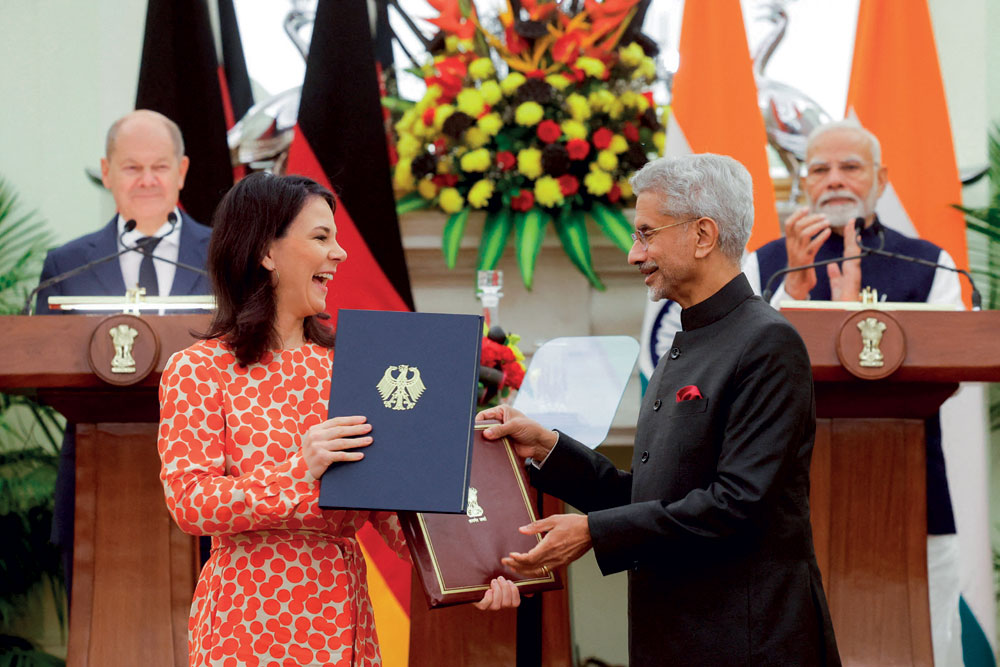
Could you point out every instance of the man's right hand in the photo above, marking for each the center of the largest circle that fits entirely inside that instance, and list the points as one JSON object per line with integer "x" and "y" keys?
{"x": 805, "y": 232}
{"x": 528, "y": 436}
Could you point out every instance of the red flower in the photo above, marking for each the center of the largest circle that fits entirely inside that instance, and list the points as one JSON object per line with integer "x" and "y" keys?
{"x": 513, "y": 375}
{"x": 548, "y": 131}
{"x": 569, "y": 185}
{"x": 577, "y": 148}
{"x": 602, "y": 138}
{"x": 439, "y": 145}
{"x": 428, "y": 116}
{"x": 506, "y": 160}
{"x": 524, "y": 200}
{"x": 567, "y": 47}
{"x": 494, "y": 354}
{"x": 445, "y": 180}
{"x": 515, "y": 43}
{"x": 631, "y": 132}
{"x": 614, "y": 194}
{"x": 536, "y": 74}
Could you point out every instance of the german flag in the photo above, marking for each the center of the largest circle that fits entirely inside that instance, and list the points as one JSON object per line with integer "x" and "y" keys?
{"x": 340, "y": 142}
{"x": 179, "y": 77}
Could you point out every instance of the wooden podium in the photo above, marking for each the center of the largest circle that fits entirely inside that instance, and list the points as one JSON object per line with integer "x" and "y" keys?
{"x": 868, "y": 496}
{"x": 134, "y": 570}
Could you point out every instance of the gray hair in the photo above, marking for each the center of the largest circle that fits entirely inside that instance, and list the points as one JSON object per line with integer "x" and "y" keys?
{"x": 705, "y": 185}
{"x": 172, "y": 129}
{"x": 854, "y": 126}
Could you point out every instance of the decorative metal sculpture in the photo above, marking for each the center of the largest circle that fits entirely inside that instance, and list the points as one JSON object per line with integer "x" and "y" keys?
{"x": 789, "y": 114}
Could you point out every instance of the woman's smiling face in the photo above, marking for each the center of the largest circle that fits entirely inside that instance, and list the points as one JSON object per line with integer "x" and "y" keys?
{"x": 304, "y": 259}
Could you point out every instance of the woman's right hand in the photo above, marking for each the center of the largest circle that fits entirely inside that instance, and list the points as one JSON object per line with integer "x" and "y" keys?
{"x": 328, "y": 442}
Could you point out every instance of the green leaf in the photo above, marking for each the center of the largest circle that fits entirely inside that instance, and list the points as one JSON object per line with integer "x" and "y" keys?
{"x": 451, "y": 239}
{"x": 529, "y": 231}
{"x": 494, "y": 240}
{"x": 410, "y": 202}
{"x": 572, "y": 229}
{"x": 614, "y": 224}
{"x": 397, "y": 104}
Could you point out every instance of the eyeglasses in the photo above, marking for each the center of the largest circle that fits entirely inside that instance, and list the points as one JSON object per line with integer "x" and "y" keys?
{"x": 642, "y": 236}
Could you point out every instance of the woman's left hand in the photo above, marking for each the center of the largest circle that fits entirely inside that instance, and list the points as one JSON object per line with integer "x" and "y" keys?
{"x": 502, "y": 594}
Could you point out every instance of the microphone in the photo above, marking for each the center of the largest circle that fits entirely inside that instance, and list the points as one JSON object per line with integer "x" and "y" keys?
{"x": 767, "y": 294}
{"x": 138, "y": 247}
{"x": 129, "y": 226}
{"x": 977, "y": 299}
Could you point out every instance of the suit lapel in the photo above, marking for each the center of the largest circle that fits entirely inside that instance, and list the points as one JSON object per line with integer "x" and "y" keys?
{"x": 192, "y": 251}
{"x": 108, "y": 273}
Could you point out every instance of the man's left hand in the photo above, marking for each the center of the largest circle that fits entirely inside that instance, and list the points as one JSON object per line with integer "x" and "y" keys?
{"x": 567, "y": 538}
{"x": 845, "y": 282}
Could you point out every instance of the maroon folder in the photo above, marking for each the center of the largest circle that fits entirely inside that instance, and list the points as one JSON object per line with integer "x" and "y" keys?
{"x": 457, "y": 555}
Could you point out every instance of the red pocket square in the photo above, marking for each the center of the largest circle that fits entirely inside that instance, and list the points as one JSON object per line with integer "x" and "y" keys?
{"x": 688, "y": 393}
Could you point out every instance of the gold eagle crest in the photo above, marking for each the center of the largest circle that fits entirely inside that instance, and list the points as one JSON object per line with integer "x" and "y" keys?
{"x": 400, "y": 392}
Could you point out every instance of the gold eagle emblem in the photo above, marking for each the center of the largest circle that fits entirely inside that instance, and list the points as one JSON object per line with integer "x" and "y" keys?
{"x": 400, "y": 392}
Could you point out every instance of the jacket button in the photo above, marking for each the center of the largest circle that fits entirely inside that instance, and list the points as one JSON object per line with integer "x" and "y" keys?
{"x": 657, "y": 404}
{"x": 675, "y": 352}
{"x": 644, "y": 457}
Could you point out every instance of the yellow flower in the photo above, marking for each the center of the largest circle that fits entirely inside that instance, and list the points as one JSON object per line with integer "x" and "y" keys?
{"x": 642, "y": 104}
{"x": 607, "y": 160}
{"x": 547, "y": 191}
{"x": 421, "y": 130}
{"x": 645, "y": 70}
{"x": 491, "y": 123}
{"x": 470, "y": 101}
{"x": 480, "y": 193}
{"x": 476, "y": 138}
{"x": 429, "y": 99}
{"x": 451, "y": 44}
{"x": 659, "y": 139}
{"x": 405, "y": 123}
{"x": 512, "y": 83}
{"x": 573, "y": 129}
{"x": 592, "y": 66}
{"x": 528, "y": 113}
{"x": 626, "y": 188}
{"x": 408, "y": 146}
{"x": 618, "y": 144}
{"x": 598, "y": 182}
{"x": 578, "y": 106}
{"x": 631, "y": 55}
{"x": 480, "y": 68}
{"x": 601, "y": 99}
{"x": 477, "y": 160}
{"x": 403, "y": 176}
{"x": 616, "y": 109}
{"x": 445, "y": 163}
{"x": 441, "y": 114}
{"x": 529, "y": 162}
{"x": 491, "y": 92}
{"x": 451, "y": 200}
{"x": 427, "y": 188}
{"x": 466, "y": 45}
{"x": 630, "y": 98}
{"x": 557, "y": 81}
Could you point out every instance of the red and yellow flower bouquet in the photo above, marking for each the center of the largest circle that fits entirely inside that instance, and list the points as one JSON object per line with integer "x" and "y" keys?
{"x": 542, "y": 119}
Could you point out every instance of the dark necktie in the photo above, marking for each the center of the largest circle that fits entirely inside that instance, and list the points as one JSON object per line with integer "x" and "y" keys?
{"x": 147, "y": 272}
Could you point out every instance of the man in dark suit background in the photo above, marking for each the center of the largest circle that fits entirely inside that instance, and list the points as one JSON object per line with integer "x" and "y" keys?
{"x": 712, "y": 521}
{"x": 144, "y": 168}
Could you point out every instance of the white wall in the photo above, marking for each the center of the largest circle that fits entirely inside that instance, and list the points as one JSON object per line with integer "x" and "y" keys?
{"x": 68, "y": 70}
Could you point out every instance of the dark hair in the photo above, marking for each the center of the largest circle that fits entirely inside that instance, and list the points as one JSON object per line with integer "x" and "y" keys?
{"x": 255, "y": 212}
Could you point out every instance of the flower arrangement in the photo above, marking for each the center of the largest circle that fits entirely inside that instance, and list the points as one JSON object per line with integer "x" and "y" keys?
{"x": 543, "y": 119}
{"x": 501, "y": 366}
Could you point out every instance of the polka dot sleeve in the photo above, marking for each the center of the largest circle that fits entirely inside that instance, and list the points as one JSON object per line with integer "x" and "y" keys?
{"x": 201, "y": 496}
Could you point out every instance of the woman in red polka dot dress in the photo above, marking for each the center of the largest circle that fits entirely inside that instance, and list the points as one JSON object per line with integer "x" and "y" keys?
{"x": 244, "y": 438}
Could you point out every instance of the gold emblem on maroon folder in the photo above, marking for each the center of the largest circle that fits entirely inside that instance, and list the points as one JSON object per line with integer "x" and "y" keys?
{"x": 871, "y": 335}
{"x": 400, "y": 391}
{"x": 475, "y": 511}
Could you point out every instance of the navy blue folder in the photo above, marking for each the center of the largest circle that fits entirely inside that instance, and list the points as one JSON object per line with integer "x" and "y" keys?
{"x": 415, "y": 377}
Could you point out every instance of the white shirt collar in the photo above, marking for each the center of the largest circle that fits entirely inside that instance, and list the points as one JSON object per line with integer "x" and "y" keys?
{"x": 168, "y": 235}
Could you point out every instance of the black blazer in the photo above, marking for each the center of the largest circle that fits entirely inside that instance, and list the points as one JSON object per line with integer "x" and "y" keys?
{"x": 712, "y": 522}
